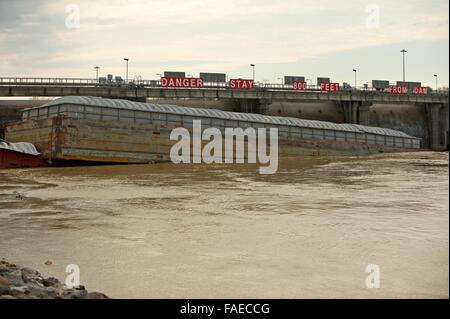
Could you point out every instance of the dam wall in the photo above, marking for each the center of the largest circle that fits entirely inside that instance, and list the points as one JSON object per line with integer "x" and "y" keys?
{"x": 409, "y": 118}
{"x": 323, "y": 111}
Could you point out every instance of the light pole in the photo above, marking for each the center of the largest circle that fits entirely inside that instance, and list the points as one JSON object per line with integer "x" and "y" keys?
{"x": 435, "y": 75}
{"x": 403, "y": 52}
{"x": 354, "y": 70}
{"x": 126, "y": 60}
{"x": 253, "y": 66}
{"x": 96, "y": 72}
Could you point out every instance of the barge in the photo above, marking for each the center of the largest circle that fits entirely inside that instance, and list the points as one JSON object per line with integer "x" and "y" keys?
{"x": 95, "y": 129}
{"x": 20, "y": 155}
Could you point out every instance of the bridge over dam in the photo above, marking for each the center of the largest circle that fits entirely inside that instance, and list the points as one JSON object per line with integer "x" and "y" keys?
{"x": 421, "y": 115}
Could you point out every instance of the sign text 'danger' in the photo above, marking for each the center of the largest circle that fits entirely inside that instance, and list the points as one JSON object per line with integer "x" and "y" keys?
{"x": 181, "y": 82}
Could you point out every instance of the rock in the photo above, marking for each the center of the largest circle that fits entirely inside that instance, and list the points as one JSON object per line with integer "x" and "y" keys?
{"x": 19, "y": 292}
{"x": 51, "y": 282}
{"x": 30, "y": 272}
{"x": 52, "y": 292}
{"x": 43, "y": 293}
{"x": 48, "y": 263}
{"x": 3, "y": 268}
{"x": 25, "y": 283}
{"x": 4, "y": 286}
{"x": 31, "y": 275}
{"x": 15, "y": 278}
{"x": 77, "y": 294}
{"x": 96, "y": 295}
{"x": 7, "y": 264}
{"x": 22, "y": 289}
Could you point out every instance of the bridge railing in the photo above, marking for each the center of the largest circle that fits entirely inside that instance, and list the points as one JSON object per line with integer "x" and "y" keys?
{"x": 46, "y": 81}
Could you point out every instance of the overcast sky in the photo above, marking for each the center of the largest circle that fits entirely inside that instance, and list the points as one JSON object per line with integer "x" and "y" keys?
{"x": 40, "y": 38}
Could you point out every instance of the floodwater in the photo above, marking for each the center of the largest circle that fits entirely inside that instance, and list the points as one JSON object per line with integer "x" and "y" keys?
{"x": 210, "y": 231}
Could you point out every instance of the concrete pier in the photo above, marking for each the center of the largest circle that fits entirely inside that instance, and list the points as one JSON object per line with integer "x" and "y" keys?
{"x": 438, "y": 125}
{"x": 356, "y": 112}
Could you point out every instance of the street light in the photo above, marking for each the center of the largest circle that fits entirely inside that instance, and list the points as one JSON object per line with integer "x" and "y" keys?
{"x": 253, "y": 66}
{"x": 126, "y": 60}
{"x": 354, "y": 70}
{"x": 435, "y": 75}
{"x": 96, "y": 72}
{"x": 403, "y": 52}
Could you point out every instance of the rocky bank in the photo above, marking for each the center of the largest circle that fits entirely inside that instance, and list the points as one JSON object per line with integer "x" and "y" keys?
{"x": 17, "y": 282}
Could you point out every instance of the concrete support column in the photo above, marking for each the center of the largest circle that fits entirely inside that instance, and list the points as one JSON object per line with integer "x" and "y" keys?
{"x": 433, "y": 114}
{"x": 348, "y": 110}
{"x": 356, "y": 112}
{"x": 253, "y": 106}
{"x": 445, "y": 126}
{"x": 364, "y": 113}
{"x": 263, "y": 106}
{"x": 247, "y": 105}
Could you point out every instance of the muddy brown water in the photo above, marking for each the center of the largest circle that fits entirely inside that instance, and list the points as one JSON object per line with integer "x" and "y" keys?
{"x": 209, "y": 231}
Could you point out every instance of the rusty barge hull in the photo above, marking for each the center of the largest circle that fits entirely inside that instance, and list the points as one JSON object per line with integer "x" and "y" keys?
{"x": 12, "y": 159}
{"x": 115, "y": 131}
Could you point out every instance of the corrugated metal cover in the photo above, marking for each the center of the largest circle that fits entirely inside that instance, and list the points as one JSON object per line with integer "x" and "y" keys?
{"x": 201, "y": 112}
{"x": 20, "y": 147}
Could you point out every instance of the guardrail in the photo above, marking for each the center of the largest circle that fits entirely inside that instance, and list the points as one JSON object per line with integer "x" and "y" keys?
{"x": 46, "y": 81}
